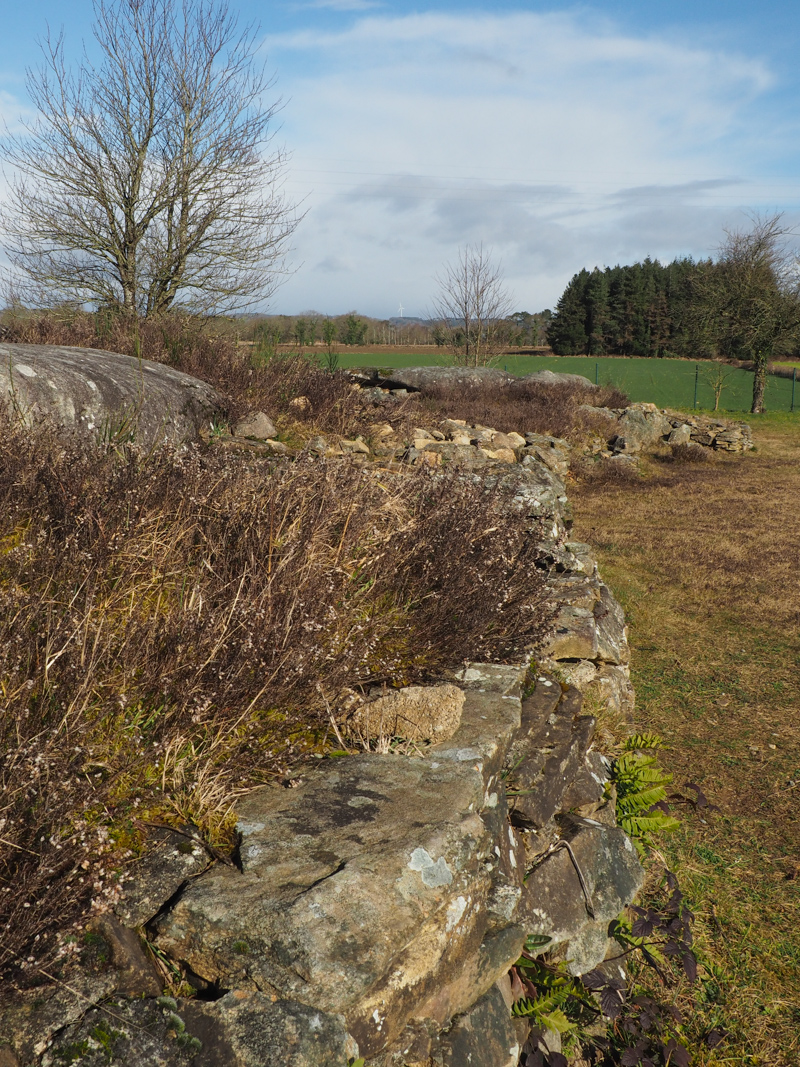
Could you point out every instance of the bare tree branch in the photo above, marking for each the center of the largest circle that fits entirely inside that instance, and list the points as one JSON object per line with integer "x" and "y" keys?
{"x": 150, "y": 179}
{"x": 749, "y": 299}
{"x": 471, "y": 307}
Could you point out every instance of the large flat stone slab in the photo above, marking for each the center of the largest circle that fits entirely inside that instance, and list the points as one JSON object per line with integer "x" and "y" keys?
{"x": 105, "y": 394}
{"x": 362, "y": 892}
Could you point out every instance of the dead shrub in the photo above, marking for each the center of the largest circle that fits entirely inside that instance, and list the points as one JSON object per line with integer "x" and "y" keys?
{"x": 524, "y": 406}
{"x": 602, "y": 473}
{"x": 166, "y": 622}
{"x": 690, "y": 452}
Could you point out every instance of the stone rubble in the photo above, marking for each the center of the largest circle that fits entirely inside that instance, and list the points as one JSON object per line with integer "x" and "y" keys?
{"x": 380, "y": 903}
{"x": 378, "y": 906}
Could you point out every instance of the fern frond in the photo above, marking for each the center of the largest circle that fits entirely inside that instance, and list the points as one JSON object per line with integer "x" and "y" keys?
{"x": 649, "y": 823}
{"x": 641, "y": 801}
{"x": 643, "y": 741}
{"x": 557, "y": 1020}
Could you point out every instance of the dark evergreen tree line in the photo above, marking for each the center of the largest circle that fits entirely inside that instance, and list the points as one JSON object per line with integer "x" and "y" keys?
{"x": 646, "y": 309}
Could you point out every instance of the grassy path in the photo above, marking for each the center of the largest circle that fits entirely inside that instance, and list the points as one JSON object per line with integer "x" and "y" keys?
{"x": 705, "y": 560}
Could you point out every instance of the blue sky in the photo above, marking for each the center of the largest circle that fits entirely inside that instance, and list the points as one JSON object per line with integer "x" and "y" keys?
{"x": 559, "y": 135}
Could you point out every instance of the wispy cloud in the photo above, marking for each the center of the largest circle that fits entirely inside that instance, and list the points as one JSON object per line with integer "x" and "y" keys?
{"x": 556, "y": 139}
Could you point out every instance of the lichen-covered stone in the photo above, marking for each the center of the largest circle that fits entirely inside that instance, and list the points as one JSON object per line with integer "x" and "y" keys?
{"x": 361, "y": 892}
{"x": 242, "y": 1029}
{"x": 148, "y": 883}
{"x": 416, "y": 713}
{"x": 553, "y": 902}
{"x": 106, "y": 395}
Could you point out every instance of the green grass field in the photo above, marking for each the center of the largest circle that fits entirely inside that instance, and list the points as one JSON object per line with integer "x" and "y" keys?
{"x": 666, "y": 382}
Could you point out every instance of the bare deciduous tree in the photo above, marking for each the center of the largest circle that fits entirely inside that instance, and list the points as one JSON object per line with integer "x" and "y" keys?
{"x": 471, "y": 307}
{"x": 750, "y": 298}
{"x": 717, "y": 377}
{"x": 149, "y": 179}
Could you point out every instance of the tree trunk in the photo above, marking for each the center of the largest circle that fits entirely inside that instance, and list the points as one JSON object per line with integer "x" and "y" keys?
{"x": 759, "y": 381}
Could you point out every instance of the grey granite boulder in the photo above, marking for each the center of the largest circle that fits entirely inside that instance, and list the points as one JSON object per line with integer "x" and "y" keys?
{"x": 421, "y": 378}
{"x": 106, "y": 395}
{"x": 549, "y": 377}
{"x": 640, "y": 426}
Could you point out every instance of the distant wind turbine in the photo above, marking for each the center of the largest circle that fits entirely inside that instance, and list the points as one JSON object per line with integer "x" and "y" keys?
{"x": 401, "y": 311}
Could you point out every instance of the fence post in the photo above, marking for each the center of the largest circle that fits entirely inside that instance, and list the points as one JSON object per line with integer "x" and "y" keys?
{"x": 696, "y": 379}
{"x": 596, "y": 372}
{"x": 794, "y": 383}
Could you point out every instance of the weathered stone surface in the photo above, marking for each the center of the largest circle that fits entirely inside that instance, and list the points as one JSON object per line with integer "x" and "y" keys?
{"x": 301, "y": 405}
{"x": 229, "y": 443}
{"x": 640, "y": 426}
{"x": 557, "y": 744}
{"x": 28, "y": 1023}
{"x": 285, "y": 1033}
{"x": 484, "y": 1037}
{"x": 500, "y": 455}
{"x": 508, "y": 874}
{"x": 135, "y": 973}
{"x": 256, "y": 425}
{"x": 496, "y": 954}
{"x": 243, "y": 1029}
{"x": 482, "y": 738}
{"x": 588, "y": 785}
{"x": 549, "y": 377}
{"x": 536, "y": 492}
{"x": 153, "y": 880}
{"x": 105, "y": 394}
{"x": 465, "y": 456}
{"x": 612, "y": 633}
{"x": 506, "y": 441}
{"x": 590, "y": 624}
{"x": 553, "y": 902}
{"x": 317, "y": 445}
{"x": 358, "y": 444}
{"x": 574, "y": 590}
{"x": 681, "y": 435}
{"x": 575, "y": 634}
{"x": 516, "y": 440}
{"x": 361, "y": 891}
{"x": 552, "y": 451}
{"x": 465, "y": 377}
{"x": 612, "y": 686}
{"x": 416, "y": 713}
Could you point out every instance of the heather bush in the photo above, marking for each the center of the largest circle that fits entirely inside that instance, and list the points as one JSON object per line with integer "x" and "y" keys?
{"x": 177, "y": 627}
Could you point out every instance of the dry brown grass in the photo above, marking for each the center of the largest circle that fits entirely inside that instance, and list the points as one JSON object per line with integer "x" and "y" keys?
{"x": 173, "y": 628}
{"x": 705, "y": 561}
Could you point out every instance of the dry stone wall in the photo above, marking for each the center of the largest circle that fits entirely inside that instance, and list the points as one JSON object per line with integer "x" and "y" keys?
{"x": 375, "y": 908}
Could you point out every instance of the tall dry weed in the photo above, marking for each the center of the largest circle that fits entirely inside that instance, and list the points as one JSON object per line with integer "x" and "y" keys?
{"x": 166, "y": 621}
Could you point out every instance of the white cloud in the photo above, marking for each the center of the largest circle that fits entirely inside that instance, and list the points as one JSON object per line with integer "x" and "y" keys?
{"x": 555, "y": 139}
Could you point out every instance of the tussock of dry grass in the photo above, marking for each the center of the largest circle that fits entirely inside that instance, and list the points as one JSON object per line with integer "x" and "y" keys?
{"x": 173, "y": 628}
{"x": 705, "y": 561}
